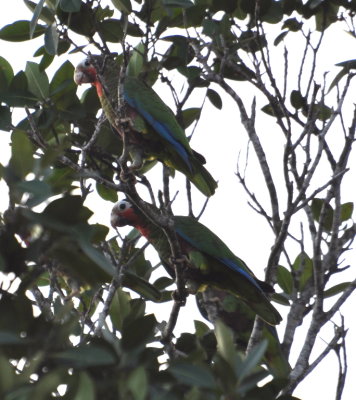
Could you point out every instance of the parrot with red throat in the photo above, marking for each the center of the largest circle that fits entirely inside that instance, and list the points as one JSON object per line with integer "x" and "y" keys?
{"x": 154, "y": 132}
{"x": 210, "y": 261}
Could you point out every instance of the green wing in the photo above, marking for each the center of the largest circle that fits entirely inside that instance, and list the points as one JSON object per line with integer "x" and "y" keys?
{"x": 145, "y": 101}
{"x": 220, "y": 268}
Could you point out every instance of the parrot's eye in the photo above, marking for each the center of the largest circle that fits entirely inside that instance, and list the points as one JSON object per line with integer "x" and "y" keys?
{"x": 124, "y": 205}
{"x": 87, "y": 63}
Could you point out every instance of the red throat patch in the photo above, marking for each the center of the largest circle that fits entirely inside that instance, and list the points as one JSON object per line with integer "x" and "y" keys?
{"x": 134, "y": 220}
{"x": 99, "y": 88}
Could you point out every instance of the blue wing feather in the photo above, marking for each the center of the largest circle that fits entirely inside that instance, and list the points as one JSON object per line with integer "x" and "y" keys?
{"x": 160, "y": 128}
{"x": 226, "y": 261}
{"x": 232, "y": 264}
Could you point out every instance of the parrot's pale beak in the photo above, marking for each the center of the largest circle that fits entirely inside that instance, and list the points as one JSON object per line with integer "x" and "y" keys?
{"x": 81, "y": 77}
{"x": 118, "y": 220}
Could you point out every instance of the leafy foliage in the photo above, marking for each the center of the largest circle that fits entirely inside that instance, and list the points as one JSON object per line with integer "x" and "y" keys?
{"x": 73, "y": 311}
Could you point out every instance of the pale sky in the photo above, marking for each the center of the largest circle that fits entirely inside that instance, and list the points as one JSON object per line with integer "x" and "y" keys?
{"x": 219, "y": 137}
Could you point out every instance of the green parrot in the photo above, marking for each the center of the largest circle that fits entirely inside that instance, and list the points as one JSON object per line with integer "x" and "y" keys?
{"x": 154, "y": 132}
{"x": 211, "y": 263}
{"x": 215, "y": 304}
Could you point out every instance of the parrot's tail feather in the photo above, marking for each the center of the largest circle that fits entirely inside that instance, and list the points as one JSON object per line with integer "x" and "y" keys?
{"x": 204, "y": 181}
{"x": 199, "y": 157}
{"x": 266, "y": 311}
{"x": 266, "y": 287}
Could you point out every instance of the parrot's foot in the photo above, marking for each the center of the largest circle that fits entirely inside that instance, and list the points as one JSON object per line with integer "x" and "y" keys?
{"x": 183, "y": 259}
{"x": 192, "y": 286}
{"x": 179, "y": 297}
{"x": 127, "y": 177}
{"x": 126, "y": 123}
{"x": 136, "y": 158}
{"x": 73, "y": 293}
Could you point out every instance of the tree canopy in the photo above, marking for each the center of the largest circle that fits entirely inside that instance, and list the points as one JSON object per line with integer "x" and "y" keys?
{"x": 74, "y": 295}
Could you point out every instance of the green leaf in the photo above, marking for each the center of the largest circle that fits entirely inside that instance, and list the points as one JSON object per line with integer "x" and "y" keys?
{"x": 141, "y": 286}
{"x": 85, "y": 389}
{"x": 46, "y": 61}
{"x": 19, "y": 31}
{"x": 51, "y": 39}
{"x": 274, "y": 13}
{"x": 228, "y": 6}
{"x": 111, "y": 30}
{"x": 280, "y": 37}
{"x": 326, "y": 16}
{"x": 297, "y": 100}
{"x": 285, "y": 279}
{"x": 18, "y": 94}
{"x": 190, "y": 115}
{"x": 339, "y": 288}
{"x": 46, "y": 14}
{"x": 64, "y": 46}
{"x": 225, "y": 342}
{"x": 346, "y": 211}
{"x": 323, "y": 112}
{"x": 22, "y": 154}
{"x": 135, "y": 65}
{"x": 337, "y": 78}
{"x": 177, "y": 3}
{"x": 83, "y": 21}
{"x": 314, "y": 3}
{"x": 328, "y": 215}
{"x": 179, "y": 54}
{"x": 62, "y": 87}
{"x": 138, "y": 383}
{"x": 292, "y": 24}
{"x": 252, "y": 359}
{"x": 5, "y": 118}
{"x": 68, "y": 210}
{"x": 19, "y": 82}
{"x": 134, "y": 30}
{"x": 70, "y": 5}
{"x": 252, "y": 381}
{"x": 8, "y": 338}
{"x": 119, "y": 308}
{"x": 348, "y": 65}
{"x": 35, "y": 17}
{"x": 215, "y": 98}
{"x": 18, "y": 98}
{"x": 96, "y": 256}
{"x": 137, "y": 333}
{"x": 85, "y": 356}
{"x": 281, "y": 298}
{"x": 6, "y": 74}
{"x": 38, "y": 82}
{"x": 303, "y": 267}
{"x": 201, "y": 328}
{"x": 192, "y": 375}
{"x": 163, "y": 282}
{"x": 267, "y": 109}
{"x": 123, "y": 5}
{"x": 39, "y": 191}
{"x": 106, "y": 193}
{"x": 7, "y": 376}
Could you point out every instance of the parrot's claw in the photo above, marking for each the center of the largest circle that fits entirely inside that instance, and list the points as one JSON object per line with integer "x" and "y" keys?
{"x": 127, "y": 177}
{"x": 183, "y": 259}
{"x": 192, "y": 286}
{"x": 73, "y": 293}
{"x": 181, "y": 298}
{"x": 126, "y": 123}
{"x": 136, "y": 158}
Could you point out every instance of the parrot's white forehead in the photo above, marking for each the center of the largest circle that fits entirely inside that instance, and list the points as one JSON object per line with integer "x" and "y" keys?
{"x": 85, "y": 63}
{"x": 123, "y": 205}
